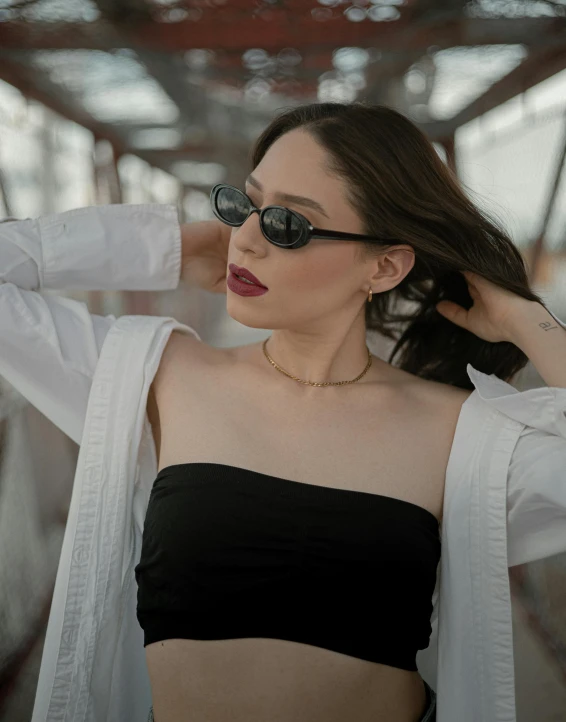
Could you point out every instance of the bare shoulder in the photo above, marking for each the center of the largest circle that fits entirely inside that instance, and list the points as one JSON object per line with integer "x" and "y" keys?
{"x": 186, "y": 358}
{"x": 430, "y": 396}
{"x": 182, "y": 352}
{"x": 441, "y": 397}
{"x": 181, "y": 348}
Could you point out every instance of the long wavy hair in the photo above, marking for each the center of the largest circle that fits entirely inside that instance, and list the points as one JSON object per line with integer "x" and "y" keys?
{"x": 402, "y": 189}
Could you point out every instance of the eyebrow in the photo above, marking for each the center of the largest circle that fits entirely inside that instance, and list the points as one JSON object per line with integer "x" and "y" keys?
{"x": 290, "y": 198}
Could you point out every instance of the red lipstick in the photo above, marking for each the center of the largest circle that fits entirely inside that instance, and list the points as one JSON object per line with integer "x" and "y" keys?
{"x": 244, "y": 273}
{"x": 252, "y": 286}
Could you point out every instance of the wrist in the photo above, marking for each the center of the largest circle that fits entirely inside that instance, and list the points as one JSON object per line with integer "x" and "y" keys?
{"x": 185, "y": 241}
{"x": 521, "y": 322}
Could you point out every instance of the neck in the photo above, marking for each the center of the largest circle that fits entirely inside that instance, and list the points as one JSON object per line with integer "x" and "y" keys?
{"x": 332, "y": 355}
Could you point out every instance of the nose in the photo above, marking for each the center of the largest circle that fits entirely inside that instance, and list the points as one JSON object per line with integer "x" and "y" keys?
{"x": 249, "y": 237}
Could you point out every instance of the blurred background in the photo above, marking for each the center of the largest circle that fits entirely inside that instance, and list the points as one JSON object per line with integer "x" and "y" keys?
{"x": 133, "y": 101}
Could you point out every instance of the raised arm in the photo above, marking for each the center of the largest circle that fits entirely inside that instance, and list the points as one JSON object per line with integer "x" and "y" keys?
{"x": 100, "y": 248}
{"x": 537, "y": 473}
{"x": 536, "y": 477}
{"x": 49, "y": 345}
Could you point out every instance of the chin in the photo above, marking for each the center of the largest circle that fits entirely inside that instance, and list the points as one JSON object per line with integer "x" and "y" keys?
{"x": 246, "y": 317}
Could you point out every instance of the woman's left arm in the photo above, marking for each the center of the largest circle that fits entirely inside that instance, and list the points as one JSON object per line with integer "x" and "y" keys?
{"x": 536, "y": 479}
{"x": 500, "y": 315}
{"x": 543, "y": 339}
{"x": 536, "y": 485}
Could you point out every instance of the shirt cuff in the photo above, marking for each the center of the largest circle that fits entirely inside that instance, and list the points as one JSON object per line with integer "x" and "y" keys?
{"x": 541, "y": 408}
{"x": 114, "y": 247}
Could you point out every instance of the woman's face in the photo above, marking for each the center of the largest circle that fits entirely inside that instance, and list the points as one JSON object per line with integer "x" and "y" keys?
{"x": 308, "y": 284}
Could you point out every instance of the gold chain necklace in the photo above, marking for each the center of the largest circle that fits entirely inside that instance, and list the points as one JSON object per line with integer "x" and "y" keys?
{"x": 312, "y": 383}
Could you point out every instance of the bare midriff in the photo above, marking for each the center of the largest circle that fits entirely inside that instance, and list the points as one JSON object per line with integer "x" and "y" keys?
{"x": 271, "y": 680}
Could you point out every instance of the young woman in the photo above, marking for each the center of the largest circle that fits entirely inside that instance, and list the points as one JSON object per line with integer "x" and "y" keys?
{"x": 296, "y": 495}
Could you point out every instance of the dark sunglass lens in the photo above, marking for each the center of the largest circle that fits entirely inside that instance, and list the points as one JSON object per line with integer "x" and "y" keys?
{"x": 282, "y": 227}
{"x": 232, "y": 205}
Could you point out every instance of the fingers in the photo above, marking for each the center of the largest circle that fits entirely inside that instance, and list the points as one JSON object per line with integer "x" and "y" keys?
{"x": 453, "y": 312}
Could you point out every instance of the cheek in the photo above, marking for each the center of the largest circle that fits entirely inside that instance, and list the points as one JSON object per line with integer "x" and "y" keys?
{"x": 320, "y": 268}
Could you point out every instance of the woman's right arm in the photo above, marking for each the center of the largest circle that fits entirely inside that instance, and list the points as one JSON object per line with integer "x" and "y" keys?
{"x": 49, "y": 345}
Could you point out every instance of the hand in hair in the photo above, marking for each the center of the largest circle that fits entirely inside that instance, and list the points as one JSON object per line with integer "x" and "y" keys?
{"x": 205, "y": 254}
{"x": 493, "y": 312}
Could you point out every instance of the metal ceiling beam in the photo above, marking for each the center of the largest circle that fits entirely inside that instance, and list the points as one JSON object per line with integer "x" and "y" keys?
{"x": 120, "y": 16}
{"x": 237, "y": 33}
{"x": 435, "y": 10}
{"x": 190, "y": 90}
{"x": 36, "y": 85}
{"x": 258, "y": 8}
{"x": 538, "y": 66}
{"x": 224, "y": 125}
{"x": 381, "y": 81}
{"x": 381, "y": 74}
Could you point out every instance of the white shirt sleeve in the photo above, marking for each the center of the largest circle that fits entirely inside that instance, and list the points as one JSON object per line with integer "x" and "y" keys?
{"x": 100, "y": 248}
{"x": 536, "y": 496}
{"x": 536, "y": 478}
{"x": 536, "y": 482}
{"x": 49, "y": 345}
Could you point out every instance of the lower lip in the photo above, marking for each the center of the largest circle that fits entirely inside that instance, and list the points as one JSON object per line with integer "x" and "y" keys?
{"x": 242, "y": 288}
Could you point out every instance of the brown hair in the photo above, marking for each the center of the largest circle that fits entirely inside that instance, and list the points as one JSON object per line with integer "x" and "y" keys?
{"x": 402, "y": 189}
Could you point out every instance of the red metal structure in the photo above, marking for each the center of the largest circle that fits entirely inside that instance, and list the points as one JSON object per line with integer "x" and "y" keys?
{"x": 294, "y": 42}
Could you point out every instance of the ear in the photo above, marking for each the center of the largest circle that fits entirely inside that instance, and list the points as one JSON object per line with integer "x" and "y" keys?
{"x": 391, "y": 267}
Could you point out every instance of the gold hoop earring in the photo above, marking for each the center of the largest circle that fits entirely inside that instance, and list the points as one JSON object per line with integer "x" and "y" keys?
{"x": 370, "y": 295}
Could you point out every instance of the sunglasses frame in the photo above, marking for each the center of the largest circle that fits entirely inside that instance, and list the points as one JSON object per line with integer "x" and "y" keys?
{"x": 309, "y": 231}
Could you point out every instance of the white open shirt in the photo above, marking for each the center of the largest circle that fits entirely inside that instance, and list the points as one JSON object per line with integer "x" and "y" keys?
{"x": 504, "y": 499}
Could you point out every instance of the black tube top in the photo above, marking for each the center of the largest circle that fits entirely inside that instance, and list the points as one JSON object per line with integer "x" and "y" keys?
{"x": 231, "y": 553}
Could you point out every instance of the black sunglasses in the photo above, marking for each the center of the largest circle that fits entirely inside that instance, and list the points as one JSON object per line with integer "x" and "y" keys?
{"x": 281, "y": 226}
